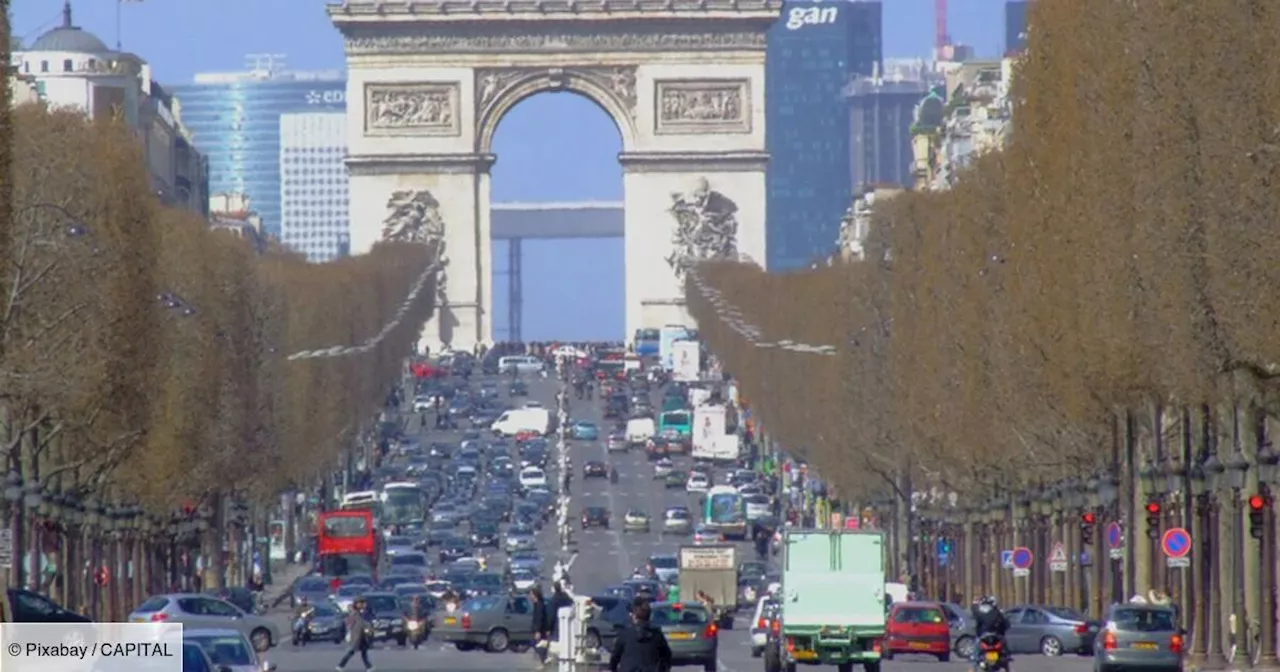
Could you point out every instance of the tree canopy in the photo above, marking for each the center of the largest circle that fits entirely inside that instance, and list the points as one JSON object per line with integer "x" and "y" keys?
{"x": 1119, "y": 252}
{"x": 145, "y": 353}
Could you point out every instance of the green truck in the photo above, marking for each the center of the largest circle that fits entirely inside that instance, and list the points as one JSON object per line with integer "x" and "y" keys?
{"x": 831, "y": 601}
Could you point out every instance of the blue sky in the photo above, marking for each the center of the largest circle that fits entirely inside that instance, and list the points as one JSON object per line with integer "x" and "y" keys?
{"x": 552, "y": 147}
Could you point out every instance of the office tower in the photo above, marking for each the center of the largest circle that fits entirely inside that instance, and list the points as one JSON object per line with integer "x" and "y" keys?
{"x": 881, "y": 111}
{"x": 813, "y": 51}
{"x": 313, "y": 184}
{"x": 235, "y": 119}
{"x": 1015, "y": 26}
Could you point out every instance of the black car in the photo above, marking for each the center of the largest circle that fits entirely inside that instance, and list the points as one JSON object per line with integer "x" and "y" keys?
{"x": 485, "y": 535}
{"x": 519, "y": 389}
{"x": 388, "y": 618}
{"x": 595, "y": 516}
{"x": 454, "y": 549}
{"x": 595, "y": 469}
{"x": 31, "y": 607}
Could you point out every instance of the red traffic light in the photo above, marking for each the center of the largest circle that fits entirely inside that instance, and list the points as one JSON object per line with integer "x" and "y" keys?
{"x": 1257, "y": 502}
{"x": 1153, "y": 508}
{"x": 1088, "y": 518}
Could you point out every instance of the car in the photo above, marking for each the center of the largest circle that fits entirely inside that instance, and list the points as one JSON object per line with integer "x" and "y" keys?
{"x": 698, "y": 483}
{"x": 676, "y": 479}
{"x": 1139, "y": 636}
{"x": 616, "y": 443}
{"x": 635, "y": 521}
{"x": 530, "y": 560}
{"x": 757, "y": 507}
{"x": 518, "y": 389}
{"x": 409, "y": 559}
{"x": 690, "y": 631}
{"x": 485, "y": 535}
{"x": 422, "y": 403}
{"x": 612, "y": 614}
{"x": 494, "y": 623}
{"x": 595, "y": 516}
{"x": 662, "y": 469}
{"x": 1050, "y": 630}
{"x": 388, "y": 618}
{"x": 520, "y": 538}
{"x": 453, "y": 549}
{"x": 312, "y": 588}
{"x": 533, "y": 477}
{"x": 582, "y": 430}
{"x": 595, "y": 469}
{"x": 524, "y": 580}
{"x": 665, "y": 566}
{"x": 918, "y": 628}
{"x": 345, "y": 596}
{"x": 202, "y": 611}
{"x": 228, "y": 649}
{"x": 677, "y": 521}
{"x": 705, "y": 534}
{"x": 765, "y": 624}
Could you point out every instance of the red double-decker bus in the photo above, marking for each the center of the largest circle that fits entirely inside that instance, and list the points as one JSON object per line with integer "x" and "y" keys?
{"x": 347, "y": 543}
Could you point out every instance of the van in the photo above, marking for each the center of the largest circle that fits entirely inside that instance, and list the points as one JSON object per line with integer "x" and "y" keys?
{"x": 523, "y": 420}
{"x": 640, "y": 430}
{"x": 520, "y": 364}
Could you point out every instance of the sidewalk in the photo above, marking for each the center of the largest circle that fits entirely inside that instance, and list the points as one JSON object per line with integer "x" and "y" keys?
{"x": 283, "y": 575}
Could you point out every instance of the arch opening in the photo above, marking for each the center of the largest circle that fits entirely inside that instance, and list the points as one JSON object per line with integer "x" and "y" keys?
{"x": 557, "y": 178}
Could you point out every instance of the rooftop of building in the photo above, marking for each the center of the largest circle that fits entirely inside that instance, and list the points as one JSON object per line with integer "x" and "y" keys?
{"x": 69, "y": 37}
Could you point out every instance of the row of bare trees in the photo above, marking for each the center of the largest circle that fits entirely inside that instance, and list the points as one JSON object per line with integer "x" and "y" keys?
{"x": 143, "y": 356}
{"x": 1119, "y": 254}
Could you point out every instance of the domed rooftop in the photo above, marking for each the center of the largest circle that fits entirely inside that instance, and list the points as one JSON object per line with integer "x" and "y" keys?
{"x": 69, "y": 37}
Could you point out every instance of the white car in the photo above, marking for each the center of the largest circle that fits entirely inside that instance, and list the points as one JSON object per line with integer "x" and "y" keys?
{"x": 677, "y": 521}
{"x": 423, "y": 403}
{"x": 663, "y": 468}
{"x": 524, "y": 579}
{"x": 761, "y": 624}
{"x": 697, "y": 483}
{"x": 704, "y": 534}
{"x": 229, "y": 649}
{"x": 757, "y": 507}
{"x": 533, "y": 477}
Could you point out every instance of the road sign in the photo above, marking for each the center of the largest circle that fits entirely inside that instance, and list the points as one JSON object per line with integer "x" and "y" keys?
{"x": 1115, "y": 536}
{"x": 1178, "y": 562}
{"x": 1023, "y": 558}
{"x": 1086, "y": 560}
{"x": 6, "y": 548}
{"x": 1021, "y": 572}
{"x": 1058, "y": 558}
{"x": 1176, "y": 542}
{"x": 1006, "y": 559}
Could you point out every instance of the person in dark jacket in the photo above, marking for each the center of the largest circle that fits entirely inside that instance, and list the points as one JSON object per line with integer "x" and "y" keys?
{"x": 360, "y": 632}
{"x": 641, "y": 647}
{"x": 559, "y": 600}
{"x": 542, "y": 623}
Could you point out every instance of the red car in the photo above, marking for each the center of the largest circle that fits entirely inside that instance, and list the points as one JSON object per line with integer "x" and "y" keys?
{"x": 918, "y": 627}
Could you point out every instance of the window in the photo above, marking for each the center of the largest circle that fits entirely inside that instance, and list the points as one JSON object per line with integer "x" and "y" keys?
{"x": 44, "y": 66}
{"x": 35, "y": 607}
{"x": 68, "y": 66}
{"x": 919, "y": 615}
{"x": 1144, "y": 620}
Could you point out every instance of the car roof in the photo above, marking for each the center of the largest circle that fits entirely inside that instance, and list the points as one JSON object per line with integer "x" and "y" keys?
{"x": 212, "y": 632}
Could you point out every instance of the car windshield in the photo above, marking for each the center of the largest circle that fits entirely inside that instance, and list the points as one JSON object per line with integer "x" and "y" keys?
{"x": 664, "y": 562}
{"x": 1143, "y": 620}
{"x": 351, "y": 591}
{"x": 481, "y": 603}
{"x": 409, "y": 559}
{"x": 382, "y": 603}
{"x": 313, "y": 585}
{"x": 230, "y": 649}
{"x": 920, "y": 615}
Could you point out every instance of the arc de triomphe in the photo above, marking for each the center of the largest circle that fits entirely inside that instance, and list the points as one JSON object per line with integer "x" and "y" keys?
{"x": 429, "y": 81}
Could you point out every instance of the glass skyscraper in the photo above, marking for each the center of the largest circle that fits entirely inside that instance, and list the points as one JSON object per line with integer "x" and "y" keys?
{"x": 235, "y": 118}
{"x": 313, "y": 184}
{"x": 814, "y": 50}
{"x": 1015, "y": 26}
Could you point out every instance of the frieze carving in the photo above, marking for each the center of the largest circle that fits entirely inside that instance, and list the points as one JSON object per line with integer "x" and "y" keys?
{"x": 427, "y": 108}
{"x": 557, "y": 41}
{"x": 702, "y": 106}
{"x": 492, "y": 83}
{"x": 706, "y": 228}
{"x": 413, "y": 216}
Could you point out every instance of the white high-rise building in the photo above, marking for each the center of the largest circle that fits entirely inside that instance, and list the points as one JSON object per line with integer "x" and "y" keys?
{"x": 313, "y": 184}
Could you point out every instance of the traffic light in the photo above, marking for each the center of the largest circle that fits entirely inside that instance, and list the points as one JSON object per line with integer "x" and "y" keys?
{"x": 1087, "y": 522}
{"x": 1153, "y": 519}
{"x": 1257, "y": 517}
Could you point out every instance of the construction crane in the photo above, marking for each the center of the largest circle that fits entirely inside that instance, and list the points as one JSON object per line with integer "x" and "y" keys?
{"x": 941, "y": 38}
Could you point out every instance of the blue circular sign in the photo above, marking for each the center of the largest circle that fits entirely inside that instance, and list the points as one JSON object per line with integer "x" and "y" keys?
{"x": 1176, "y": 542}
{"x": 1115, "y": 536}
{"x": 1023, "y": 557}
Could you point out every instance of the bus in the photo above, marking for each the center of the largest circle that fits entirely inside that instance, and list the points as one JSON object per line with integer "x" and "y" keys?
{"x": 347, "y": 543}
{"x": 726, "y": 510}
{"x": 646, "y": 342}
{"x": 403, "y": 504}
{"x": 676, "y": 424}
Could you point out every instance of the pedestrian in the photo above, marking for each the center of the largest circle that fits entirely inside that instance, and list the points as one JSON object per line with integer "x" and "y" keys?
{"x": 541, "y": 625}
{"x": 559, "y": 600}
{"x": 641, "y": 647}
{"x": 359, "y": 635}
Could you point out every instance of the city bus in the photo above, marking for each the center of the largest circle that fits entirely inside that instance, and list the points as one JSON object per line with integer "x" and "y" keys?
{"x": 646, "y": 342}
{"x": 726, "y": 510}
{"x": 676, "y": 424}
{"x": 347, "y": 543}
{"x": 403, "y": 504}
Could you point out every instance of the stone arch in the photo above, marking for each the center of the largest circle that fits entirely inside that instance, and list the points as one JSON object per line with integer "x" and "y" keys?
{"x": 498, "y": 90}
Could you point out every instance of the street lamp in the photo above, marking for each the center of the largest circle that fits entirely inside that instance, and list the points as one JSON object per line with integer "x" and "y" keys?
{"x": 92, "y": 514}
{"x": 1092, "y": 491}
{"x": 1198, "y": 480}
{"x": 1147, "y": 475}
{"x": 13, "y": 487}
{"x": 1108, "y": 489}
{"x": 1268, "y": 464}
{"x": 31, "y": 497}
{"x": 1237, "y": 465}
{"x": 1213, "y": 472}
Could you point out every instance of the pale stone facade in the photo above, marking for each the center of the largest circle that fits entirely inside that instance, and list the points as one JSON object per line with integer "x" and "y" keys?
{"x": 684, "y": 80}
{"x": 974, "y": 118}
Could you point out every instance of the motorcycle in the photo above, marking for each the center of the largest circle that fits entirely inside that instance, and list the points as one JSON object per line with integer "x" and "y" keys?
{"x": 418, "y": 632}
{"x": 301, "y": 633}
{"x": 613, "y": 475}
{"x": 991, "y": 653}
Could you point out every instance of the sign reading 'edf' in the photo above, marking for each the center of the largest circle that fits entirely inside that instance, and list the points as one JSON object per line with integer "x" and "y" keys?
{"x": 799, "y": 17}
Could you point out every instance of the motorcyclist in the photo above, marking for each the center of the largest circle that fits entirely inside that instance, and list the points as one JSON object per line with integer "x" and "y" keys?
{"x": 988, "y": 620}
{"x": 418, "y": 614}
{"x": 613, "y": 474}
{"x": 301, "y": 614}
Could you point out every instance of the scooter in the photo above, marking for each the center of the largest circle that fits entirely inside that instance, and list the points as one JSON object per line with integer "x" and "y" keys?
{"x": 301, "y": 633}
{"x": 418, "y": 632}
{"x": 991, "y": 653}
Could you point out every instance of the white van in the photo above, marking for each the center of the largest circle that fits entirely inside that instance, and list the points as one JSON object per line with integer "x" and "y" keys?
{"x": 640, "y": 430}
{"x": 520, "y": 364}
{"x": 515, "y": 421}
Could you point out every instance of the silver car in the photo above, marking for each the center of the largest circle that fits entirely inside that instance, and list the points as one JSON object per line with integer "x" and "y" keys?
{"x": 193, "y": 610}
{"x": 346, "y": 596}
{"x": 228, "y": 649}
{"x": 677, "y": 521}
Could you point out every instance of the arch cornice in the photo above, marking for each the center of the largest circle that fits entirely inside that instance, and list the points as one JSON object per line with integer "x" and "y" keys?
{"x": 497, "y": 90}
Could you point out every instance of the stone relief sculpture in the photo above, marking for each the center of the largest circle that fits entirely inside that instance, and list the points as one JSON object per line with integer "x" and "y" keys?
{"x": 413, "y": 216}
{"x": 412, "y": 107}
{"x": 558, "y": 42}
{"x": 702, "y": 106}
{"x": 492, "y": 83}
{"x": 706, "y": 228}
